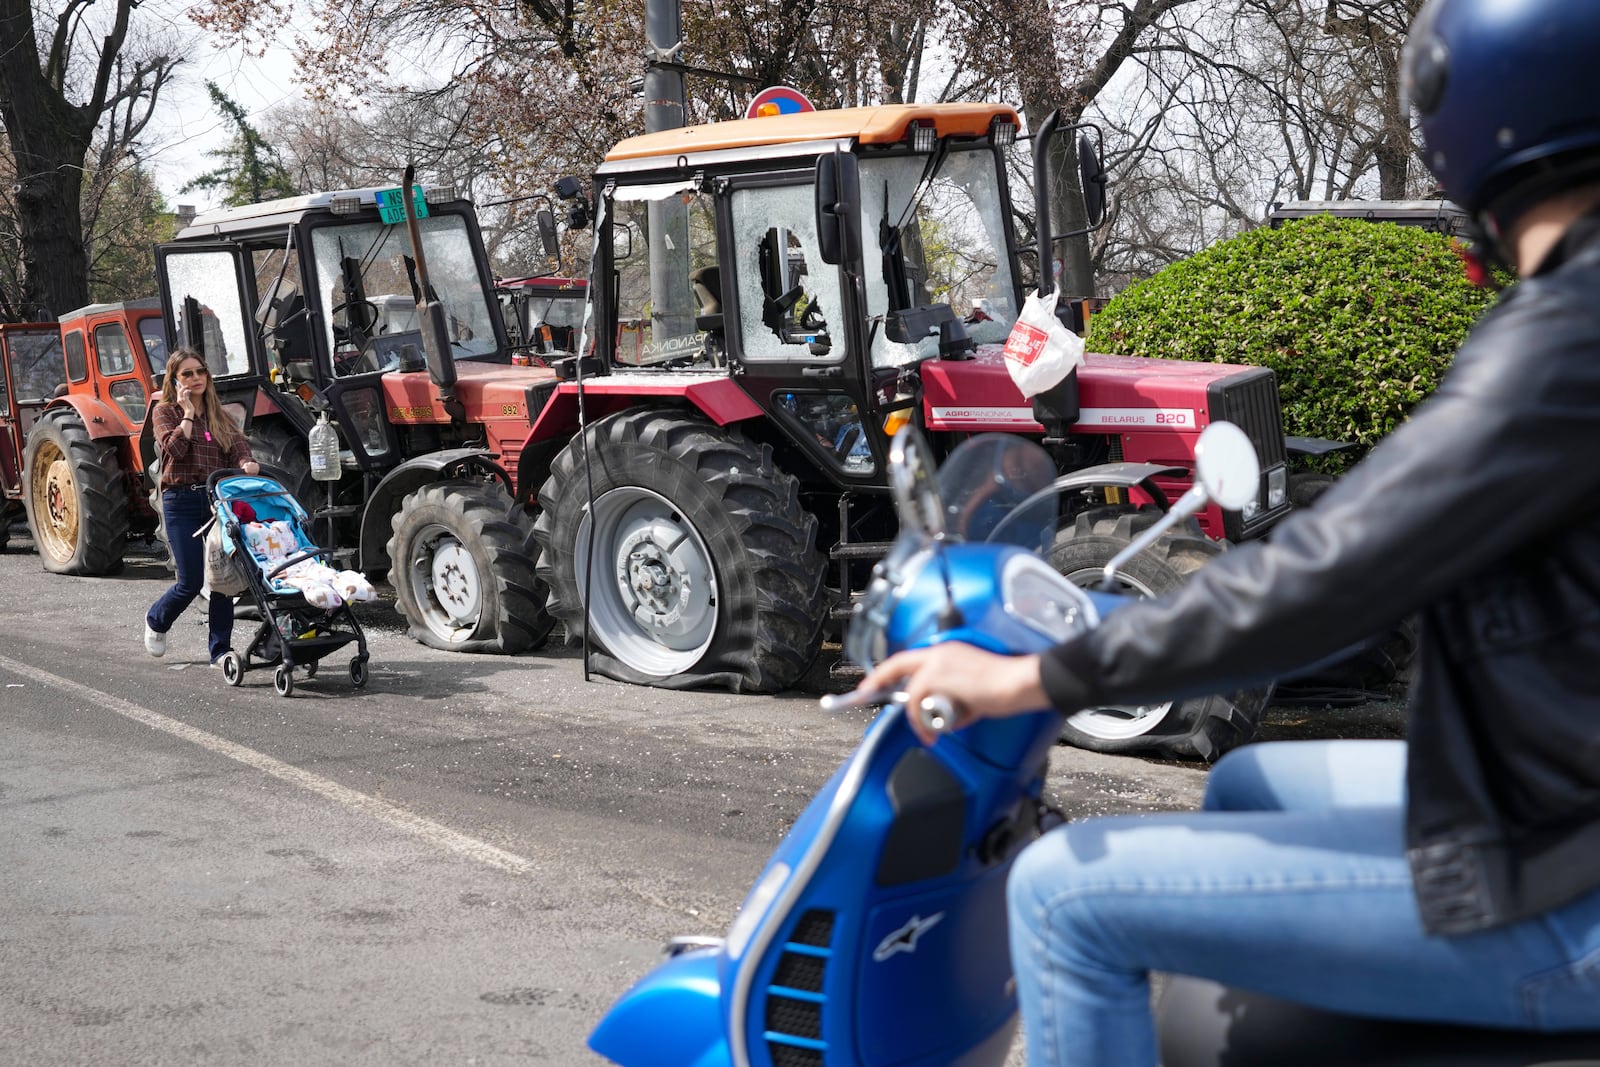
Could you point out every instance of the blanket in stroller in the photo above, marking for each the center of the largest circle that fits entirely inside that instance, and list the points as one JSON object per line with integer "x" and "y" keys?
{"x": 273, "y": 542}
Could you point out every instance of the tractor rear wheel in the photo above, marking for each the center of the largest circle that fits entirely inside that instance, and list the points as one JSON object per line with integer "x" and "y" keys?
{"x": 462, "y": 570}
{"x": 76, "y": 495}
{"x": 285, "y": 457}
{"x": 706, "y": 566}
{"x": 1198, "y": 728}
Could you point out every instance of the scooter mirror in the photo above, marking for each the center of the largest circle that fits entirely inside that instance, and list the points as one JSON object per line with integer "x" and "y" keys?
{"x": 912, "y": 477}
{"x": 1226, "y": 464}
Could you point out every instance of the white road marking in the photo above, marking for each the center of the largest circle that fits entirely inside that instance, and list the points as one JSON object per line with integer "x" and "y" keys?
{"x": 389, "y": 814}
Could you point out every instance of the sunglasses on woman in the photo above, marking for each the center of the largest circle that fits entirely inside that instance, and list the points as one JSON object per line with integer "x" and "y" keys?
{"x": 193, "y": 373}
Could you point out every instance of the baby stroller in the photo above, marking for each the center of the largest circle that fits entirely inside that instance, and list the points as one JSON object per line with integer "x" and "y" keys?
{"x": 264, "y": 530}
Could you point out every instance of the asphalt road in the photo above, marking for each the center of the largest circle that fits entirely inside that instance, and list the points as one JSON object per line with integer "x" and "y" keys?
{"x": 464, "y": 863}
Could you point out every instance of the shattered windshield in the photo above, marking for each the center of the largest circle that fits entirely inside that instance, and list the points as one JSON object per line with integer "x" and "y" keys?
{"x": 953, "y": 247}
{"x": 365, "y": 277}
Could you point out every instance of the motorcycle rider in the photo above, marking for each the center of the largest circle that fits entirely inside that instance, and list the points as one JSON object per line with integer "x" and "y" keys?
{"x": 1454, "y": 877}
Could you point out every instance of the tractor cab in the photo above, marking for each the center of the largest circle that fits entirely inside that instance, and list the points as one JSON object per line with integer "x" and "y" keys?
{"x": 317, "y": 302}
{"x": 817, "y": 257}
{"x": 543, "y": 315}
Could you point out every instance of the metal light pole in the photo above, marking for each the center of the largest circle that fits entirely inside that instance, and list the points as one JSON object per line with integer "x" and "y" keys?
{"x": 671, "y": 313}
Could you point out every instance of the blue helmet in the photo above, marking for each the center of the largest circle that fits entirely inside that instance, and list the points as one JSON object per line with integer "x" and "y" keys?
{"x": 1508, "y": 95}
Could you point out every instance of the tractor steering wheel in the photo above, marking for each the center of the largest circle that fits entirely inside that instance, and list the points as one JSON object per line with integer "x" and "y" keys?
{"x": 352, "y": 321}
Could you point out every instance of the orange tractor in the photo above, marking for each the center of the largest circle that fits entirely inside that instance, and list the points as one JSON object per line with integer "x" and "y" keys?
{"x": 84, "y": 462}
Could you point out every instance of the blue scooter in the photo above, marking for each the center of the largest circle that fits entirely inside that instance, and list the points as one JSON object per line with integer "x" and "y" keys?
{"x": 876, "y": 934}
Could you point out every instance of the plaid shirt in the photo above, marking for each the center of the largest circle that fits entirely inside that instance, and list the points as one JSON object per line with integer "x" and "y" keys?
{"x": 189, "y": 461}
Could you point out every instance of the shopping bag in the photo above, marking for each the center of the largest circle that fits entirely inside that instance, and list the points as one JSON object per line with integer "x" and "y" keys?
{"x": 1040, "y": 352}
{"x": 222, "y": 567}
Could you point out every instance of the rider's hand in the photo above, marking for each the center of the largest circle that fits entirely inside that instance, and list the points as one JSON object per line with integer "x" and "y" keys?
{"x": 980, "y": 684}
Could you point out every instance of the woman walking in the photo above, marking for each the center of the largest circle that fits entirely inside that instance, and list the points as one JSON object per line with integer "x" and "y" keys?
{"x": 195, "y": 438}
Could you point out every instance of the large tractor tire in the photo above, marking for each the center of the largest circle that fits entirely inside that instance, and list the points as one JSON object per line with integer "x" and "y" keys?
{"x": 1198, "y": 728}
{"x": 76, "y": 495}
{"x": 462, "y": 570}
{"x": 706, "y": 566}
{"x": 285, "y": 457}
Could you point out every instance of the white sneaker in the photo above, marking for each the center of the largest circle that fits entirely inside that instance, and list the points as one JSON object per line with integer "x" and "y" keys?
{"x": 154, "y": 643}
{"x": 216, "y": 664}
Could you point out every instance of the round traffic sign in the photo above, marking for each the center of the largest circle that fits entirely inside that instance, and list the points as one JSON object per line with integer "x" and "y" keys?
{"x": 777, "y": 100}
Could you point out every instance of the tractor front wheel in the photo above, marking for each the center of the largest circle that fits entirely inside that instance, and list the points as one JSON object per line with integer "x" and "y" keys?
{"x": 462, "y": 570}
{"x": 76, "y": 495}
{"x": 706, "y": 570}
{"x": 1198, "y": 728}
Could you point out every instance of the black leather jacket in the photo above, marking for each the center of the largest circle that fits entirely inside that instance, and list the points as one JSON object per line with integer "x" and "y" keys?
{"x": 1481, "y": 512}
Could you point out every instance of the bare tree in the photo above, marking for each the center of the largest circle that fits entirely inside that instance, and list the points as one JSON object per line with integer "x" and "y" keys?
{"x": 57, "y": 94}
{"x": 1249, "y": 102}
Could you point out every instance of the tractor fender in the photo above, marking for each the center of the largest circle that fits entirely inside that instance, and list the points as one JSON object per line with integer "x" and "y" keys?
{"x": 407, "y": 478}
{"x": 721, "y": 400}
{"x": 1125, "y": 475}
{"x": 1314, "y": 446}
{"x": 100, "y": 419}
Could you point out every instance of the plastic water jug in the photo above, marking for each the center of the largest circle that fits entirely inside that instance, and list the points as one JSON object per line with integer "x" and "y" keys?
{"x": 324, "y": 442}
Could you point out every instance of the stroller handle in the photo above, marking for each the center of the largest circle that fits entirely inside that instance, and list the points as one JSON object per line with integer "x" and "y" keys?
{"x": 217, "y": 476}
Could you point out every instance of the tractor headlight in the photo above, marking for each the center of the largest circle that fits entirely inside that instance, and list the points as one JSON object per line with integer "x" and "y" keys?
{"x": 1277, "y": 487}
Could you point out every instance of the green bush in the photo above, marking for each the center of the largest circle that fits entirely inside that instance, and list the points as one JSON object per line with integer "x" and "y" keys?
{"x": 1358, "y": 319}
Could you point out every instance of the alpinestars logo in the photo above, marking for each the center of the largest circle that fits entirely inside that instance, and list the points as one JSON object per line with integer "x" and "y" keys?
{"x": 905, "y": 938}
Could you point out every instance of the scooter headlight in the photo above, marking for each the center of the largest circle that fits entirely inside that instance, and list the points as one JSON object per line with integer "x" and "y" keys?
{"x": 1037, "y": 595}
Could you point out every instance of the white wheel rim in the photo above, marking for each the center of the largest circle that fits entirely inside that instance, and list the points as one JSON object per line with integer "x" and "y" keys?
{"x": 1116, "y": 722}
{"x": 447, "y": 585}
{"x": 654, "y": 588}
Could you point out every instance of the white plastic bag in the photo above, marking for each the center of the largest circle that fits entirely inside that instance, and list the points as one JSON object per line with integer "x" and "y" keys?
{"x": 1040, "y": 351}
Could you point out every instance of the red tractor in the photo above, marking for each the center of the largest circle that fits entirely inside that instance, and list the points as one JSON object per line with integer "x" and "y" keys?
{"x": 85, "y": 470}
{"x": 543, "y": 315}
{"x": 771, "y": 299}
{"x": 31, "y": 373}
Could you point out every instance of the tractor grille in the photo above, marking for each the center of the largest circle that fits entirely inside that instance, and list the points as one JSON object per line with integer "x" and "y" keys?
{"x": 1250, "y": 399}
{"x": 796, "y": 998}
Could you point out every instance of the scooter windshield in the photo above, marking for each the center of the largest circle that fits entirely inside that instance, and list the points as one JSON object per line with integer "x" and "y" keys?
{"x": 993, "y": 490}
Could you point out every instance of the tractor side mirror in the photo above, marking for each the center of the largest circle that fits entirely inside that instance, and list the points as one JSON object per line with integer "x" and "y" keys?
{"x": 838, "y": 183}
{"x": 267, "y": 311}
{"x": 194, "y": 331}
{"x": 1092, "y": 178}
{"x": 546, "y": 221}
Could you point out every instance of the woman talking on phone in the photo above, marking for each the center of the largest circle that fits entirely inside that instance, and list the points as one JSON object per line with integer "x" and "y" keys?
{"x": 195, "y": 438}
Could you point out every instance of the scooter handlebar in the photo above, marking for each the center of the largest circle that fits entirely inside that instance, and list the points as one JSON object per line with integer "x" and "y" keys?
{"x": 863, "y": 698}
{"x": 937, "y": 714}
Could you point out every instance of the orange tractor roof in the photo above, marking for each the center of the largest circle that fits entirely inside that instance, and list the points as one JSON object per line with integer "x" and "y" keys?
{"x": 867, "y": 125}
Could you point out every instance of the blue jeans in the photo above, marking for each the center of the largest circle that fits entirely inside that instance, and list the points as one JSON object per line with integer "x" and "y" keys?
{"x": 1292, "y": 882}
{"x": 187, "y": 510}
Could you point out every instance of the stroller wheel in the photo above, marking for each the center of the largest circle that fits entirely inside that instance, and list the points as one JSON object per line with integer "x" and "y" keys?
{"x": 311, "y": 669}
{"x": 358, "y": 671}
{"x": 283, "y": 680}
{"x": 232, "y": 669}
